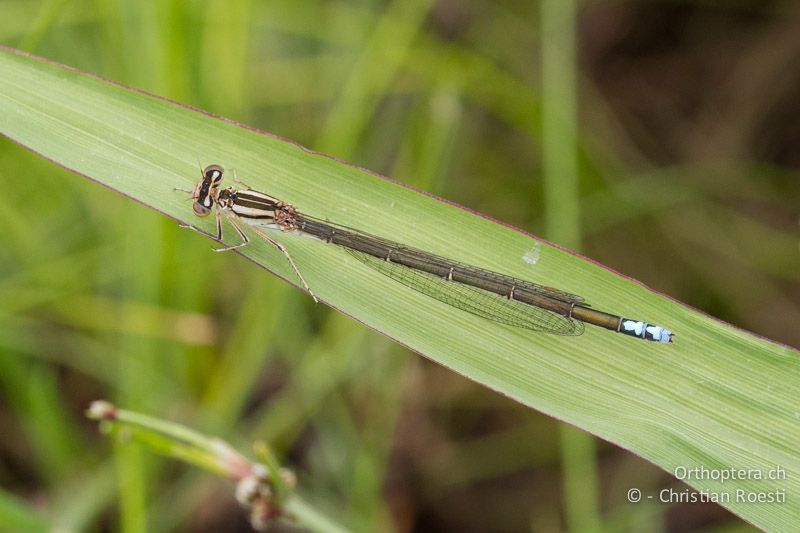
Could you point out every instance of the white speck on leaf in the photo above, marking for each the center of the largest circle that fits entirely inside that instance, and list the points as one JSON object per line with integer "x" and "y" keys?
{"x": 532, "y": 256}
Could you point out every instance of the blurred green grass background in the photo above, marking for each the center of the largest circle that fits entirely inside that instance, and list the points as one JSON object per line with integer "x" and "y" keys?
{"x": 688, "y": 147}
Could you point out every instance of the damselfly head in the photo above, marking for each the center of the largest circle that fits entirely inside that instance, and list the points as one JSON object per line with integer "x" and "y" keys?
{"x": 206, "y": 191}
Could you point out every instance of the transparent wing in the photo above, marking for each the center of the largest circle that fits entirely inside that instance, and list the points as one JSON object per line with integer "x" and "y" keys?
{"x": 549, "y": 292}
{"x": 477, "y": 301}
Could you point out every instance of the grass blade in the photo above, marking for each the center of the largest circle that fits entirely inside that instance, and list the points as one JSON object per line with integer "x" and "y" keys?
{"x": 719, "y": 398}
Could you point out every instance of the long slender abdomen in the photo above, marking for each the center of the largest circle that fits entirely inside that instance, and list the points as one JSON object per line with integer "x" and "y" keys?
{"x": 626, "y": 326}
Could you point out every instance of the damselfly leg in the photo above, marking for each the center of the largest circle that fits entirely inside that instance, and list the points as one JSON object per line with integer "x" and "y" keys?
{"x": 285, "y": 252}
{"x": 245, "y": 239}
{"x": 237, "y": 181}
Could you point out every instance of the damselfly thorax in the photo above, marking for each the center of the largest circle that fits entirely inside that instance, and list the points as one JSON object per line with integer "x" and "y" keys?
{"x": 253, "y": 208}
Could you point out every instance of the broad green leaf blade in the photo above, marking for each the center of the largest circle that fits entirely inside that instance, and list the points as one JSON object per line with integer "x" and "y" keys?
{"x": 718, "y": 398}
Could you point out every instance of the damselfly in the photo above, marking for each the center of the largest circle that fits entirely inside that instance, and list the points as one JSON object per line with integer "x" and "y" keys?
{"x": 488, "y": 294}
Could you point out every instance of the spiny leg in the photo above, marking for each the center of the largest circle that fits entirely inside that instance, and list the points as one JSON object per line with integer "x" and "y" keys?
{"x": 218, "y": 220}
{"x": 238, "y": 181}
{"x": 246, "y": 241}
{"x": 245, "y": 238}
{"x": 182, "y": 225}
{"x": 189, "y": 226}
{"x": 285, "y": 252}
{"x": 201, "y": 232}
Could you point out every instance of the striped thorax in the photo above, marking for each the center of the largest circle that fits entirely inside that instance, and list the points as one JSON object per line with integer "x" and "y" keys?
{"x": 250, "y": 207}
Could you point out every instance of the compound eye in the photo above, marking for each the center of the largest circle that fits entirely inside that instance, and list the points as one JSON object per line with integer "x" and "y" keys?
{"x": 200, "y": 210}
{"x": 213, "y": 173}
